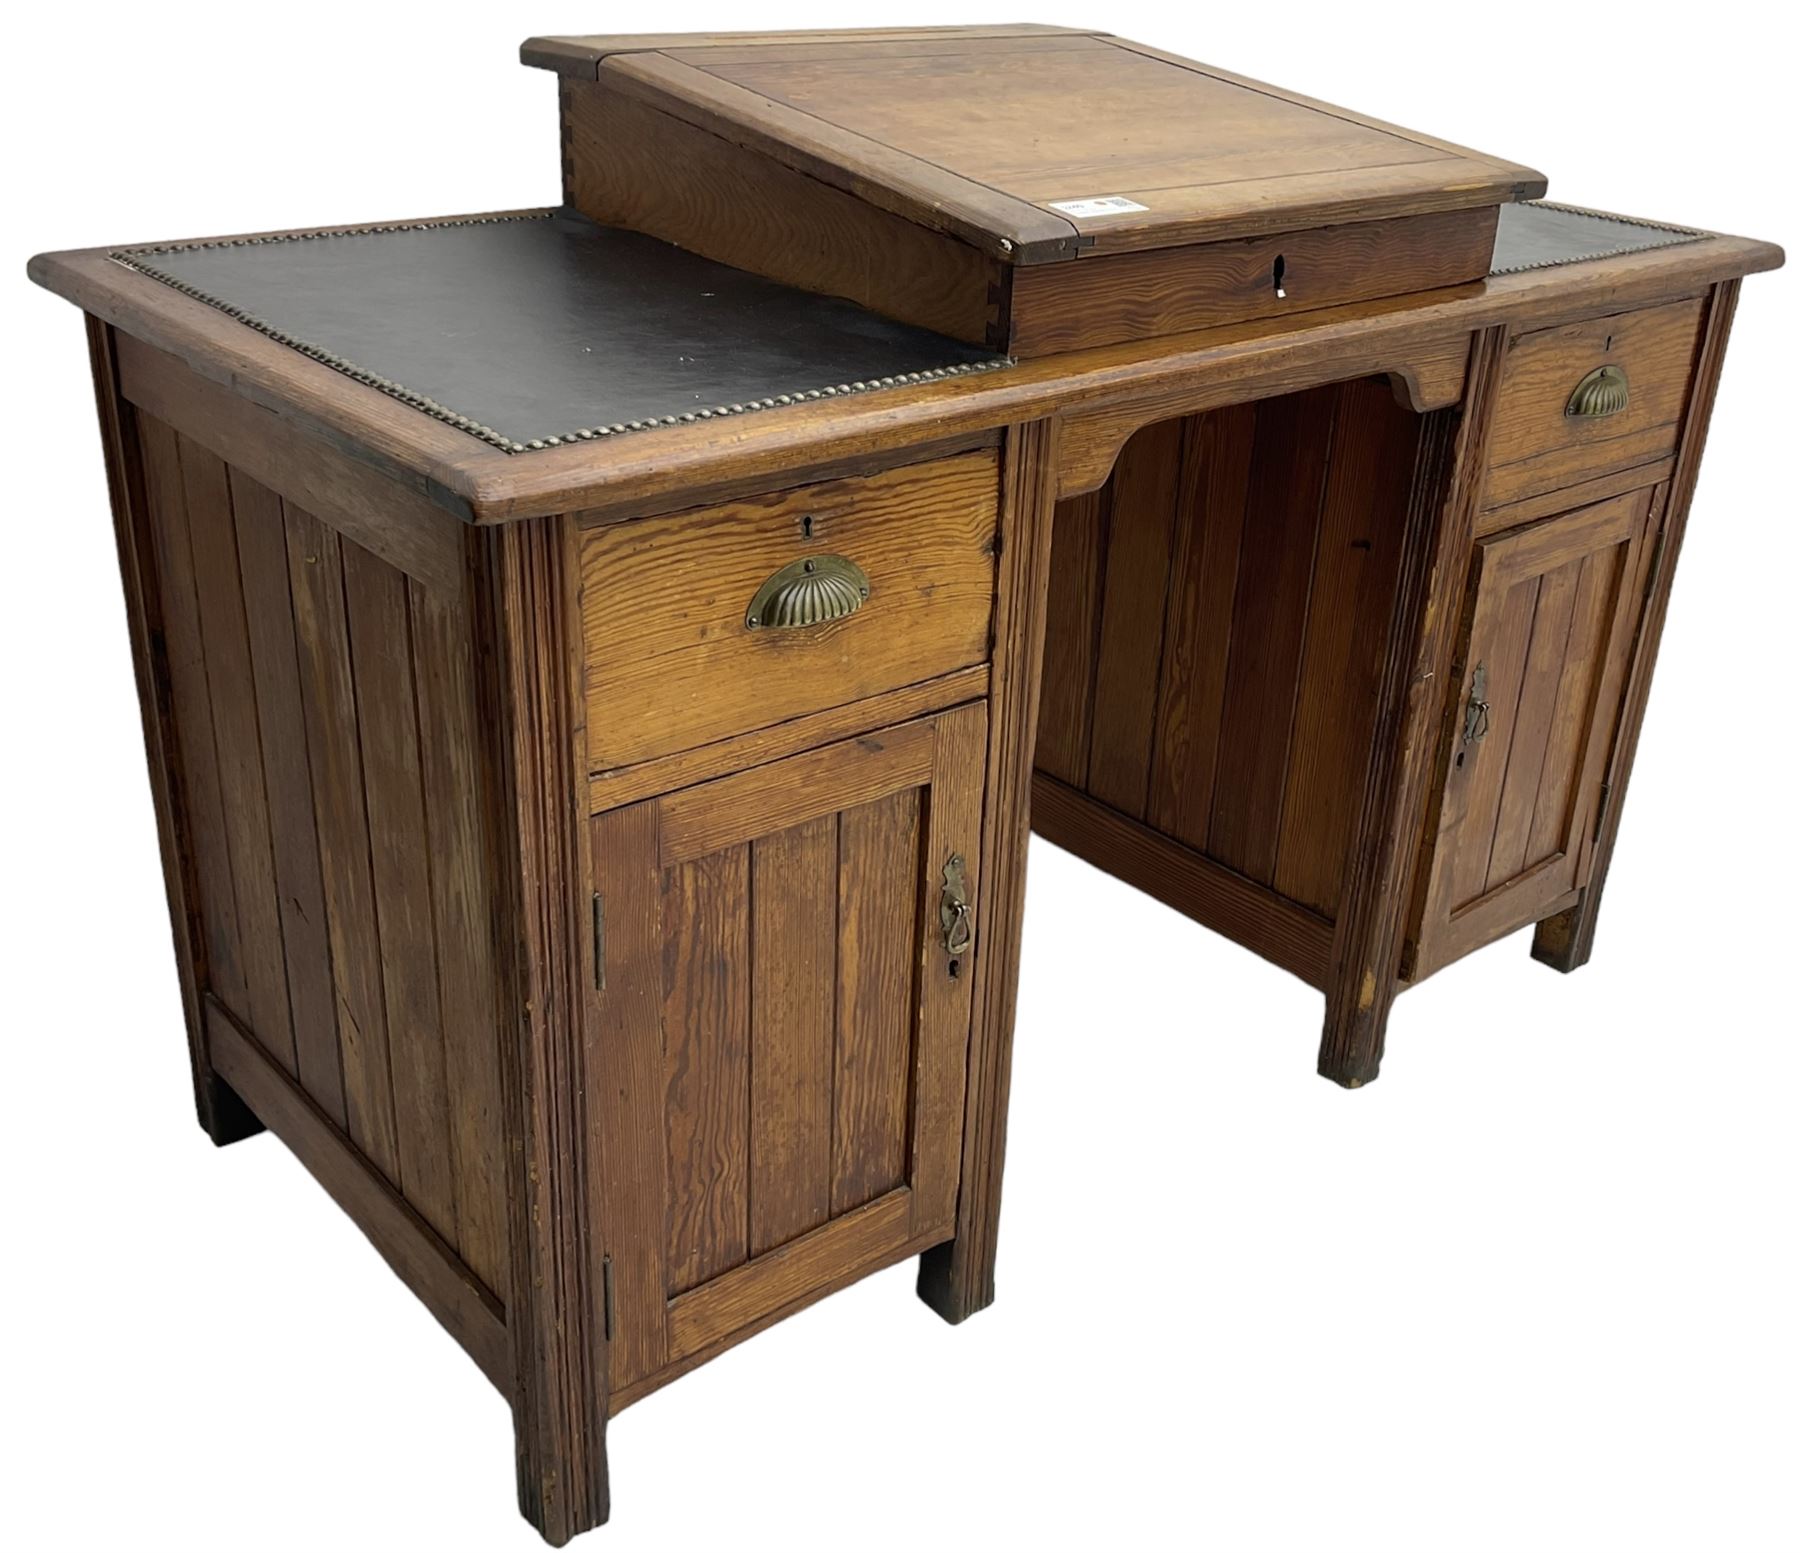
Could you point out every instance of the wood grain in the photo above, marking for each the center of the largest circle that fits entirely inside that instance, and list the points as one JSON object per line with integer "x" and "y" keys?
{"x": 1072, "y": 634}
{"x": 1115, "y": 298}
{"x": 957, "y": 1279}
{"x": 1374, "y": 443}
{"x": 223, "y": 1116}
{"x": 1209, "y": 155}
{"x": 792, "y": 792}
{"x": 334, "y": 750}
{"x": 878, "y": 922}
{"x": 404, "y": 528}
{"x": 629, "y": 1195}
{"x": 793, "y": 894}
{"x": 675, "y": 664}
{"x": 421, "y": 1257}
{"x": 800, "y": 1264}
{"x": 955, "y": 826}
{"x": 1536, "y": 447}
{"x": 375, "y": 598}
{"x": 1281, "y": 526}
{"x": 706, "y": 1038}
{"x": 1555, "y": 612}
{"x": 192, "y": 715}
{"x": 783, "y": 1037}
{"x": 526, "y": 603}
{"x": 1209, "y": 531}
{"x": 1104, "y": 393}
{"x": 633, "y": 166}
{"x": 1244, "y": 911}
{"x": 1140, "y": 513}
{"x": 237, "y": 748}
{"x": 462, "y": 901}
{"x": 1409, "y": 703}
{"x": 293, "y": 829}
{"x": 627, "y": 784}
{"x": 581, "y": 56}
{"x": 1566, "y": 939}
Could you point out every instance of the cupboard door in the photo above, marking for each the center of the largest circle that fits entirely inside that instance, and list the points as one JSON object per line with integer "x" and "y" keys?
{"x": 1553, "y": 616}
{"x": 780, "y": 1029}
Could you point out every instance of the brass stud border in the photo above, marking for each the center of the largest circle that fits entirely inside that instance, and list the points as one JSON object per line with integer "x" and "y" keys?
{"x": 1677, "y": 236}
{"x": 137, "y": 259}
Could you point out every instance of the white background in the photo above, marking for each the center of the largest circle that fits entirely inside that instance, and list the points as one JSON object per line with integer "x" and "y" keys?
{"x": 1535, "y": 1289}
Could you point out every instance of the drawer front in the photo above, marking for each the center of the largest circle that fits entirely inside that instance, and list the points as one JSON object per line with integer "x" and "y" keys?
{"x": 673, "y": 659}
{"x": 1136, "y": 296}
{"x": 1541, "y": 443}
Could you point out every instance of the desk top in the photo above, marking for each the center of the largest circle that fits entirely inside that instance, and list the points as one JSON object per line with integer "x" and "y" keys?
{"x": 535, "y": 330}
{"x": 394, "y": 371}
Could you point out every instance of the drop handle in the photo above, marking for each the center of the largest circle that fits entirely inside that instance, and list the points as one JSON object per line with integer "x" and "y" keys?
{"x": 1476, "y": 715}
{"x": 809, "y": 592}
{"x": 954, "y": 915}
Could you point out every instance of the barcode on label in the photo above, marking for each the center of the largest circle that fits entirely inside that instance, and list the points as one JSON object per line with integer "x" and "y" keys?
{"x": 1099, "y": 205}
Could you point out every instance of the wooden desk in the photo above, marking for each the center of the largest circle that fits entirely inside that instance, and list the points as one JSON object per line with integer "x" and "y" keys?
{"x": 597, "y": 692}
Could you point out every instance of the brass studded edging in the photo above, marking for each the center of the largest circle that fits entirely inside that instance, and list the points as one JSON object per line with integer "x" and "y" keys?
{"x": 1677, "y": 236}
{"x": 134, "y": 259}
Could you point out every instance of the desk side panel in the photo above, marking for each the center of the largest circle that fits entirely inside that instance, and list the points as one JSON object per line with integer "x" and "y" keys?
{"x": 325, "y": 744}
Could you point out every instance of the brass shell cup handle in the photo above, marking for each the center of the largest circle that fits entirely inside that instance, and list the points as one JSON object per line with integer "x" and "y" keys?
{"x": 809, "y": 592}
{"x": 1601, "y": 393}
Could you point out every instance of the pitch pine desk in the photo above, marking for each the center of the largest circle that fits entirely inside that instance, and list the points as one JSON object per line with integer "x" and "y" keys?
{"x": 599, "y": 666}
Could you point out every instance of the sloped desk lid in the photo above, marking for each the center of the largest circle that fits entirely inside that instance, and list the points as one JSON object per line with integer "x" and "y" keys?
{"x": 1036, "y": 143}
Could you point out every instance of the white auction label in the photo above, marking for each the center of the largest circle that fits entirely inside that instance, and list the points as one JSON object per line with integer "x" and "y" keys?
{"x": 1099, "y": 205}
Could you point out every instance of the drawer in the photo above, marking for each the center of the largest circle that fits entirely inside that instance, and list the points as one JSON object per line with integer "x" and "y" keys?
{"x": 1541, "y": 441}
{"x": 677, "y": 657}
{"x": 1113, "y": 298}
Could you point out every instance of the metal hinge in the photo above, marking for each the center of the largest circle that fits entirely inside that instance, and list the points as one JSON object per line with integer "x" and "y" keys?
{"x": 606, "y": 1296}
{"x": 599, "y": 942}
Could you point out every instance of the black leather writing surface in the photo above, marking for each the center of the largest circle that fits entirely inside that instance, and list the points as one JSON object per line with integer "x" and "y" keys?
{"x": 543, "y": 329}
{"x": 1538, "y": 236}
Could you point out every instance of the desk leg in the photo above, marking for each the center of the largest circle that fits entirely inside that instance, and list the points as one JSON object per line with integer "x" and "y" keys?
{"x": 1565, "y": 941}
{"x": 1375, "y": 907}
{"x": 957, "y": 1279}
{"x": 223, "y": 1116}
{"x": 529, "y": 659}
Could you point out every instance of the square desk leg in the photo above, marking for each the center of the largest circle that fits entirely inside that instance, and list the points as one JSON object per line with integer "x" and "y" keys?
{"x": 957, "y": 1279}
{"x": 1376, "y": 904}
{"x": 223, "y": 1116}
{"x": 528, "y": 620}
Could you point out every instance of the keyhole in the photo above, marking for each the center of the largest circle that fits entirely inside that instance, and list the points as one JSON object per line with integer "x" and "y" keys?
{"x": 806, "y": 526}
{"x": 1280, "y": 275}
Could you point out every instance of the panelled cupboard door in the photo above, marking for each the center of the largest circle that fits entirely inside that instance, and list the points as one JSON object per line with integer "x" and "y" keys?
{"x": 780, "y": 1023}
{"x": 1553, "y": 616}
